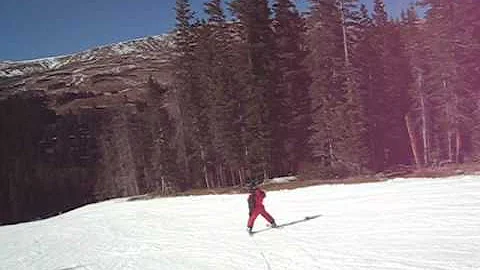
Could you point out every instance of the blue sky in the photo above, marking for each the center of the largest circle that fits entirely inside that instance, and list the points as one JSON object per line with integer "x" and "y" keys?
{"x": 41, "y": 28}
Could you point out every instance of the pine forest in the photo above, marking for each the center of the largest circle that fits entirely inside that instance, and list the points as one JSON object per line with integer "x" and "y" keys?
{"x": 336, "y": 90}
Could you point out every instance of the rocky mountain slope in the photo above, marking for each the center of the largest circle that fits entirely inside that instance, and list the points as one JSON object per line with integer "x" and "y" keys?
{"x": 114, "y": 70}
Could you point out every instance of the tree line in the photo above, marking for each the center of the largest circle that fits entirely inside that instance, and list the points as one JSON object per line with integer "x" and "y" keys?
{"x": 262, "y": 89}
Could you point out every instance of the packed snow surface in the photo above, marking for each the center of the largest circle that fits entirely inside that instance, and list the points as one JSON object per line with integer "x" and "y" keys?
{"x": 282, "y": 180}
{"x": 399, "y": 224}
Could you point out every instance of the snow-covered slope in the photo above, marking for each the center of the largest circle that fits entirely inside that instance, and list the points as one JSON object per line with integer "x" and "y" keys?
{"x": 400, "y": 224}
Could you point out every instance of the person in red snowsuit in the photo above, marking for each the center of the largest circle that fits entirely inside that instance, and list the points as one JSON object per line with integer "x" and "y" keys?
{"x": 256, "y": 207}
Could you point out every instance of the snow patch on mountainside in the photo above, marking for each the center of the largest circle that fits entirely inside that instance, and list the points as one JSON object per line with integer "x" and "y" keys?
{"x": 49, "y": 62}
{"x": 135, "y": 46}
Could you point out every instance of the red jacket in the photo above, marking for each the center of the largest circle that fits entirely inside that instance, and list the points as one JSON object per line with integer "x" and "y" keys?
{"x": 259, "y": 196}
{"x": 255, "y": 204}
{"x": 255, "y": 199}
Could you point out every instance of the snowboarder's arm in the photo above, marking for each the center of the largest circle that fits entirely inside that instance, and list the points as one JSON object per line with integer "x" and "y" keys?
{"x": 262, "y": 194}
{"x": 251, "y": 204}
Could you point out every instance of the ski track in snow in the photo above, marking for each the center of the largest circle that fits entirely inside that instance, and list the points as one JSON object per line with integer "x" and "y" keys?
{"x": 402, "y": 224}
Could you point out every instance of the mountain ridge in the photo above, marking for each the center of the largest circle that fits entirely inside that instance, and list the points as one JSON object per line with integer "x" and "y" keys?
{"x": 107, "y": 69}
{"x": 9, "y": 68}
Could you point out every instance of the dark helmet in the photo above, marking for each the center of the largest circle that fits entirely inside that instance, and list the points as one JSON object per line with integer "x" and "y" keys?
{"x": 252, "y": 186}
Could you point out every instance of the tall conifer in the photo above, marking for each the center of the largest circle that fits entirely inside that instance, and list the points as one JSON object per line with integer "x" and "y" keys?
{"x": 254, "y": 15}
{"x": 292, "y": 117}
{"x": 183, "y": 83}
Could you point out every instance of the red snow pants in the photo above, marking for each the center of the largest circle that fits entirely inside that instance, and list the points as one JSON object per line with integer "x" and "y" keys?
{"x": 259, "y": 210}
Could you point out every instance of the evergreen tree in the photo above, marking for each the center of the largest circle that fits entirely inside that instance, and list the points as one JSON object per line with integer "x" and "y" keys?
{"x": 469, "y": 57}
{"x": 377, "y": 94}
{"x": 450, "y": 39}
{"x": 339, "y": 124}
{"x": 418, "y": 116}
{"x": 217, "y": 87}
{"x": 183, "y": 82}
{"x": 354, "y": 147}
{"x": 219, "y": 76}
{"x": 398, "y": 79}
{"x": 364, "y": 62}
{"x": 164, "y": 151}
{"x": 200, "y": 103}
{"x": 380, "y": 15}
{"x": 387, "y": 78}
{"x": 291, "y": 115}
{"x": 254, "y": 15}
{"x": 324, "y": 41}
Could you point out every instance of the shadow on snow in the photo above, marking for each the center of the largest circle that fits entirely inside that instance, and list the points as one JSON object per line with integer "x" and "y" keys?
{"x": 307, "y": 218}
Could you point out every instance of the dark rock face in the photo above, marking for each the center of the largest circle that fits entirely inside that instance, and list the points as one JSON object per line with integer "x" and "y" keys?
{"x": 83, "y": 128}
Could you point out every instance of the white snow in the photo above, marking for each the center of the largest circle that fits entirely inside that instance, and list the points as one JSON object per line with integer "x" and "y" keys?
{"x": 11, "y": 73}
{"x": 400, "y": 224}
{"x": 48, "y": 62}
{"x": 122, "y": 48}
{"x": 20, "y": 68}
{"x": 281, "y": 180}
